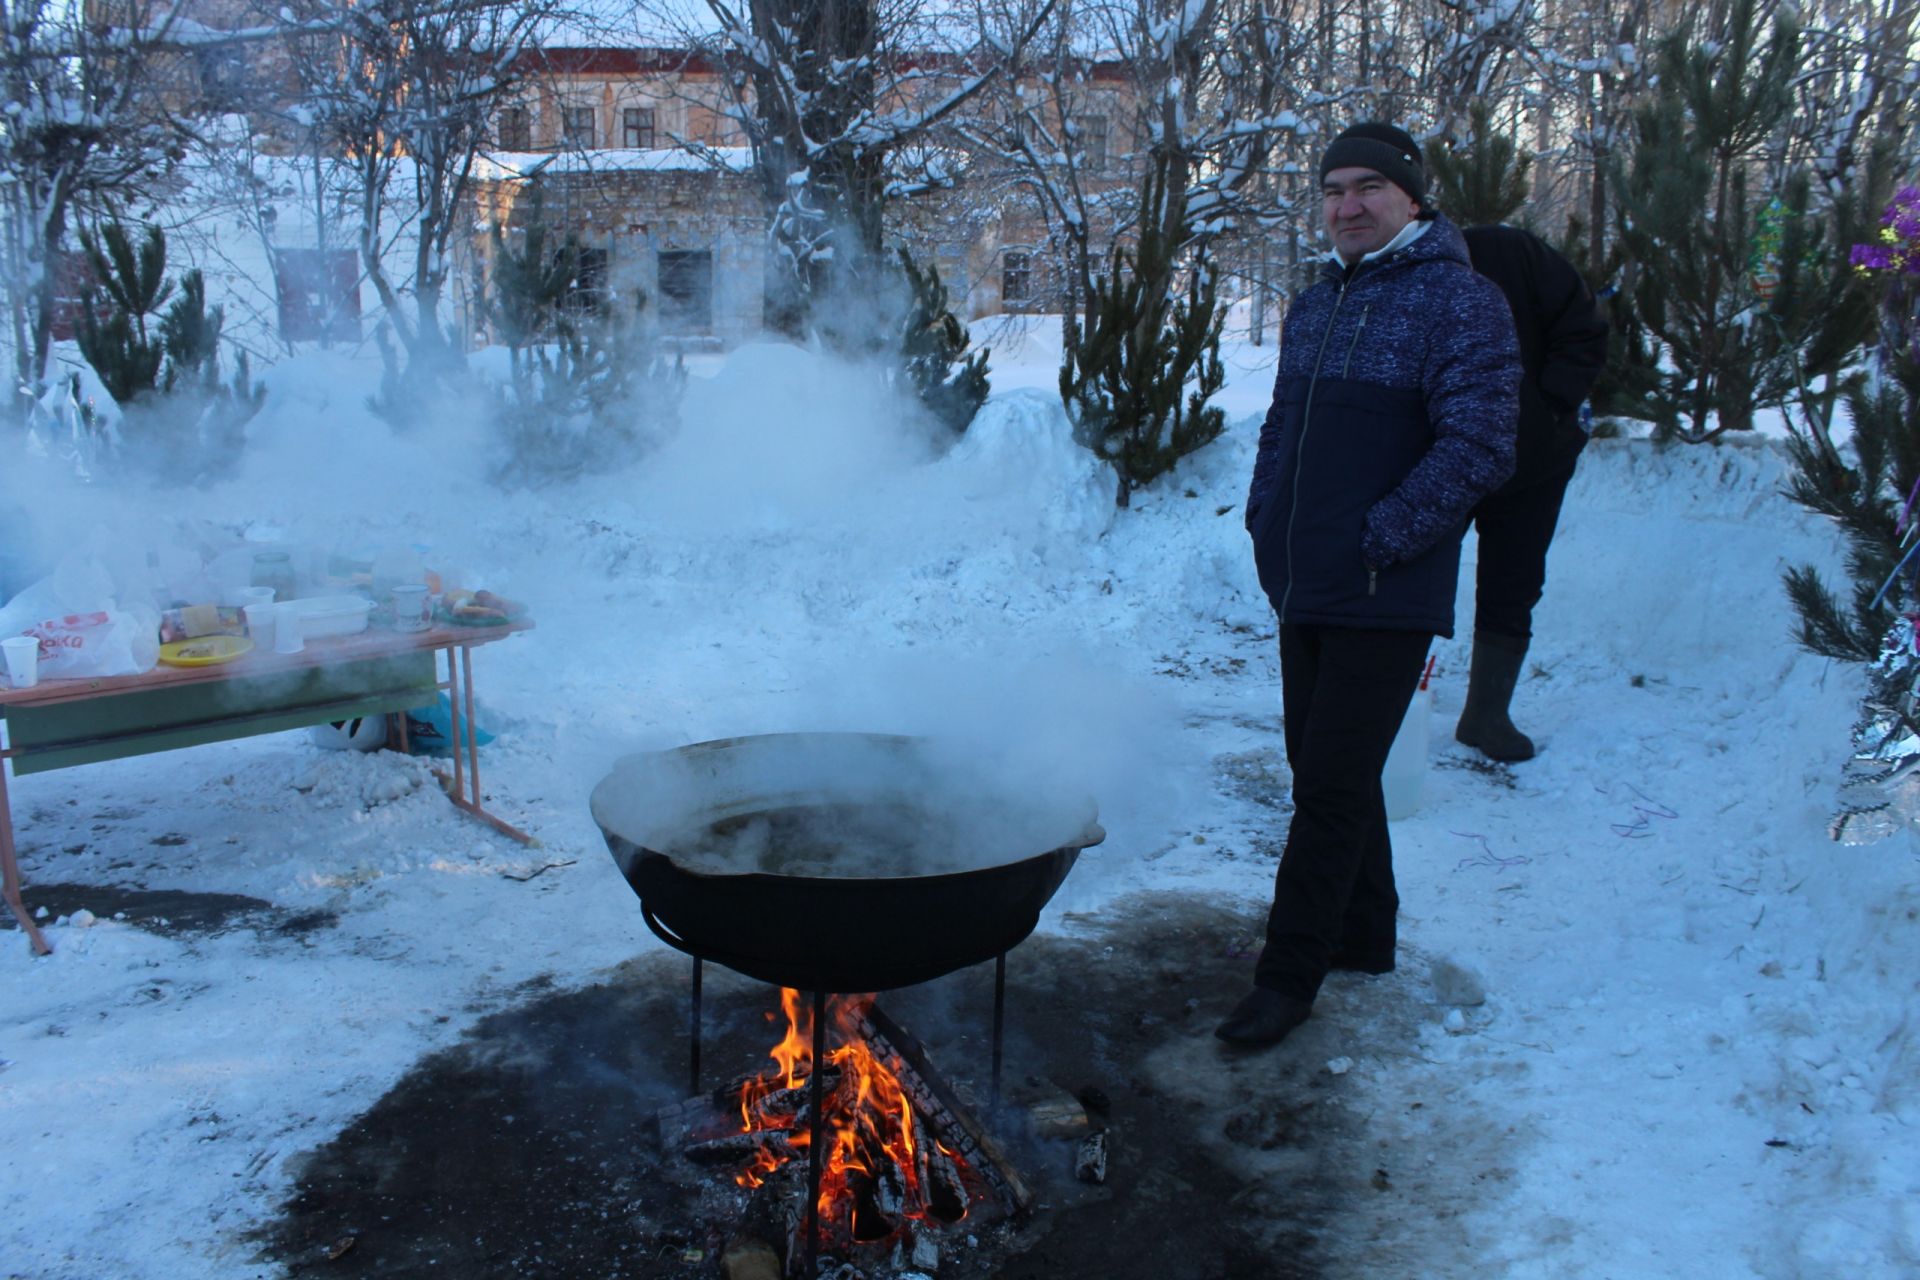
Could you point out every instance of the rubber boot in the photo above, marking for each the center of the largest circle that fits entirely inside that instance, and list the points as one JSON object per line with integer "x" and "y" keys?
{"x": 1485, "y": 721}
{"x": 1264, "y": 1017}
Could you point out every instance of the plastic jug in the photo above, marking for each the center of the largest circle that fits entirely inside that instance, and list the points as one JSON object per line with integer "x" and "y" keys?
{"x": 1405, "y": 774}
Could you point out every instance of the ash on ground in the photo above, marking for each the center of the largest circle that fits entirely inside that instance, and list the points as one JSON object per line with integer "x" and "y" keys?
{"x": 529, "y": 1149}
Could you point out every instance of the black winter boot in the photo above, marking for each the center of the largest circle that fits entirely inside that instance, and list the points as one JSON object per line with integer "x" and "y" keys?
{"x": 1485, "y": 721}
{"x": 1264, "y": 1017}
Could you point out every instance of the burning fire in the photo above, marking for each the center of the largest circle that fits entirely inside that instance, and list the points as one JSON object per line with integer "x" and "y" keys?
{"x": 871, "y": 1132}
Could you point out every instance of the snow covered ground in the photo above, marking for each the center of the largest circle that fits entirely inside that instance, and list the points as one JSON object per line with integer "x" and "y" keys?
{"x": 1698, "y": 1048}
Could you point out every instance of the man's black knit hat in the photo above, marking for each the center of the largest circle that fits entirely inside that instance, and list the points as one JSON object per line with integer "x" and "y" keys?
{"x": 1390, "y": 152}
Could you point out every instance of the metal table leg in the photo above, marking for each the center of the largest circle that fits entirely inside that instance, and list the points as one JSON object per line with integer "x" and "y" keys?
{"x": 465, "y": 793}
{"x": 10, "y": 869}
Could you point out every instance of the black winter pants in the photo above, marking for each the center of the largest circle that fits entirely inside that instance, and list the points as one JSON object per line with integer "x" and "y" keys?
{"x": 1345, "y": 691}
{"x": 1516, "y": 527}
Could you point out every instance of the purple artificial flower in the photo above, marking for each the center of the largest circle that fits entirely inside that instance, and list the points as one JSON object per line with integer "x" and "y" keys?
{"x": 1871, "y": 257}
{"x": 1903, "y": 215}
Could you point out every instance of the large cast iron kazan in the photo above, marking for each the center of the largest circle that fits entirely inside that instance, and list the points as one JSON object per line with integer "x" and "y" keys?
{"x": 821, "y": 918}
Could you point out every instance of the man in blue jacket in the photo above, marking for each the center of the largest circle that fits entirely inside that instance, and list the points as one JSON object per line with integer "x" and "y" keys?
{"x": 1393, "y": 416}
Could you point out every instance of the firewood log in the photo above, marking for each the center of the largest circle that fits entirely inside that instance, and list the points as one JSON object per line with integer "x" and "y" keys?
{"x": 738, "y": 1148}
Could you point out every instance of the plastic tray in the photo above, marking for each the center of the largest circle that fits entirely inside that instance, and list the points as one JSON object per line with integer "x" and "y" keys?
{"x": 322, "y": 616}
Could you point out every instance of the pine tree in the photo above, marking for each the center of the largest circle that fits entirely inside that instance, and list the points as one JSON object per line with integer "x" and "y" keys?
{"x": 1687, "y": 220}
{"x": 1818, "y": 316}
{"x": 1632, "y": 372}
{"x": 1138, "y": 373}
{"x": 1483, "y": 180}
{"x": 118, "y": 346}
{"x": 1873, "y": 499}
{"x": 178, "y": 419}
{"x": 585, "y": 387}
{"x": 530, "y": 284}
{"x": 933, "y": 355}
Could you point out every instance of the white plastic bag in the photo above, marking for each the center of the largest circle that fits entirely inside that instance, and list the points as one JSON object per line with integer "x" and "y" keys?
{"x": 107, "y": 642}
{"x": 90, "y": 619}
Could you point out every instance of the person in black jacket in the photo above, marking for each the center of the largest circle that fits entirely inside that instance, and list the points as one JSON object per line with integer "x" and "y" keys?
{"x": 1563, "y": 346}
{"x": 1392, "y": 418}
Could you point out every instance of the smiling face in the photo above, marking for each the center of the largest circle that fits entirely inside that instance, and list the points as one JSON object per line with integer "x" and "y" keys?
{"x": 1363, "y": 211}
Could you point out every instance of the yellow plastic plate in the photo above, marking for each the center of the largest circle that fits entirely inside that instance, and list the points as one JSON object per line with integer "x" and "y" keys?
{"x": 204, "y": 652}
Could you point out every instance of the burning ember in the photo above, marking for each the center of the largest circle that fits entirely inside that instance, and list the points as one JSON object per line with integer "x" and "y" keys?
{"x": 883, "y": 1167}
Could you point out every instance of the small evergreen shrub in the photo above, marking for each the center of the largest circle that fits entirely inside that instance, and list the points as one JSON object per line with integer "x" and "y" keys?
{"x": 1873, "y": 496}
{"x": 179, "y": 420}
{"x": 1137, "y": 375}
{"x": 585, "y": 389}
{"x": 932, "y": 351}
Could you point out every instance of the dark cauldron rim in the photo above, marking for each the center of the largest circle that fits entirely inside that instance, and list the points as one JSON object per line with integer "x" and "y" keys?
{"x": 1021, "y": 885}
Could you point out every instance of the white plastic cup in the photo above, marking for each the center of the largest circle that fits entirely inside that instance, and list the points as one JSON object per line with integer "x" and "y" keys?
{"x": 1405, "y": 775}
{"x": 260, "y": 619}
{"x": 23, "y": 660}
{"x": 410, "y": 608}
{"x": 287, "y": 634}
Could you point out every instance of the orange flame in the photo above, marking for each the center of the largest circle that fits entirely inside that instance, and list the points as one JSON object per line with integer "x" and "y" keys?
{"x": 870, "y": 1118}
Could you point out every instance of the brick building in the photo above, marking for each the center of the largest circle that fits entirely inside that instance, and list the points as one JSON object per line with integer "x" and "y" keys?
{"x": 633, "y": 152}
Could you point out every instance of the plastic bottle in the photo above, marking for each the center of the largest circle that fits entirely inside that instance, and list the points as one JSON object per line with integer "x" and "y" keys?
{"x": 1405, "y": 775}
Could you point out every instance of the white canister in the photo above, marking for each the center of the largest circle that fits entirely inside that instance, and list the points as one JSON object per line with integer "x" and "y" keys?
{"x": 411, "y": 611}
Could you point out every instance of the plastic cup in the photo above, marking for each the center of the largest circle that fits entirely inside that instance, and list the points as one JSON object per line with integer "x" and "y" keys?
{"x": 260, "y": 624}
{"x": 410, "y": 607}
{"x": 23, "y": 660}
{"x": 287, "y": 636}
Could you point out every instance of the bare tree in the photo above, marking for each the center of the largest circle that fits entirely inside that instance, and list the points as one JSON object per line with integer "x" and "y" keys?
{"x": 1198, "y": 93}
{"x": 1856, "y": 85}
{"x": 404, "y": 93}
{"x": 836, "y": 98}
{"x": 80, "y": 132}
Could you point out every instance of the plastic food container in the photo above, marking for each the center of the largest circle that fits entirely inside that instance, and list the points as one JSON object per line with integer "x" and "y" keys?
{"x": 323, "y": 616}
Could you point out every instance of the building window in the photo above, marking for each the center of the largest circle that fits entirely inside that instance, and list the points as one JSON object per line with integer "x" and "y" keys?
{"x": 576, "y": 127}
{"x": 223, "y": 78}
{"x": 1016, "y": 277}
{"x": 1092, "y": 132}
{"x": 686, "y": 291}
{"x": 636, "y": 128}
{"x": 586, "y": 293}
{"x": 514, "y": 129}
{"x": 319, "y": 294}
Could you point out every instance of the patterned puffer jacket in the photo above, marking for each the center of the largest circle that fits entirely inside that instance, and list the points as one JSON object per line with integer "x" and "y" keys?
{"x": 1393, "y": 415}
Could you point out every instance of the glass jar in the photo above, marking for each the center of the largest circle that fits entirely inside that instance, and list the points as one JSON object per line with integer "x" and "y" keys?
{"x": 274, "y": 569}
